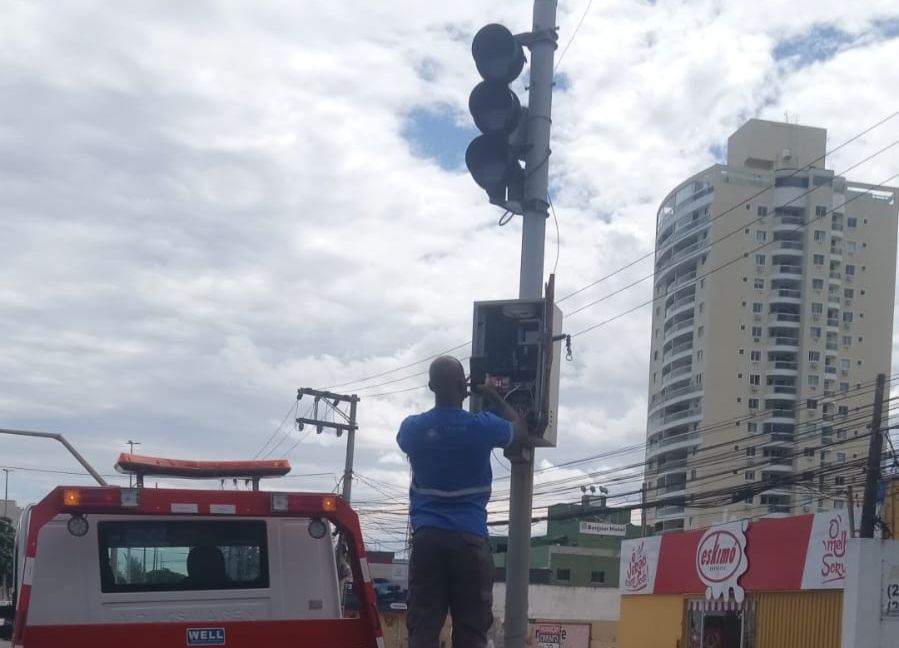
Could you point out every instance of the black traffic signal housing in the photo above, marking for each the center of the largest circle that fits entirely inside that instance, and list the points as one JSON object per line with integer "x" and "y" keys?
{"x": 493, "y": 158}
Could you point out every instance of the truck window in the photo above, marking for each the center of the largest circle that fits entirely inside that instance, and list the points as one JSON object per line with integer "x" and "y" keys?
{"x": 150, "y": 556}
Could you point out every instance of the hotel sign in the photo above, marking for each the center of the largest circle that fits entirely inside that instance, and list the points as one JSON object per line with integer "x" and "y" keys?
{"x": 603, "y": 529}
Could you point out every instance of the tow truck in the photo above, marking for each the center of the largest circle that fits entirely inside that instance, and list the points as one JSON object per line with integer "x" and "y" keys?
{"x": 109, "y": 567}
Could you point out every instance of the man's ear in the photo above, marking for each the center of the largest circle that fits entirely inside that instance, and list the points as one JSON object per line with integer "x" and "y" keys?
{"x": 430, "y": 386}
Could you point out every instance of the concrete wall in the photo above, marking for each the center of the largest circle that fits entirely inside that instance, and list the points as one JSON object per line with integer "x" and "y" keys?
{"x": 872, "y": 571}
{"x": 564, "y": 603}
{"x": 598, "y": 607}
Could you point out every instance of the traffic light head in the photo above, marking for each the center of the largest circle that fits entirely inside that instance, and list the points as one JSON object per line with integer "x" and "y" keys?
{"x": 497, "y": 54}
{"x": 493, "y": 158}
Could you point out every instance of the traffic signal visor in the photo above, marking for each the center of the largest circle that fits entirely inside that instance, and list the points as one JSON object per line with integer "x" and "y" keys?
{"x": 497, "y": 54}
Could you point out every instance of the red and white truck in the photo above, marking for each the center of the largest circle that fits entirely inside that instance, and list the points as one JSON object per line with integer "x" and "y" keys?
{"x": 115, "y": 567}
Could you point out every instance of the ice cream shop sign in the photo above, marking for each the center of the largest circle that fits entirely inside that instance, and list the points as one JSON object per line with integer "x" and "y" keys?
{"x": 721, "y": 560}
{"x": 727, "y": 560}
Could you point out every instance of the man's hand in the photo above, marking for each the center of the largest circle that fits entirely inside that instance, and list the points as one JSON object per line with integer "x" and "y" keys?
{"x": 488, "y": 392}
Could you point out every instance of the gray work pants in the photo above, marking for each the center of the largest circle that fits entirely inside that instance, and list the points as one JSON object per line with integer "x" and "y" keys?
{"x": 453, "y": 572}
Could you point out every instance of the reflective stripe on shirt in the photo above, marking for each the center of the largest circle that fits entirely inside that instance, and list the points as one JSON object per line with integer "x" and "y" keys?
{"x": 462, "y": 492}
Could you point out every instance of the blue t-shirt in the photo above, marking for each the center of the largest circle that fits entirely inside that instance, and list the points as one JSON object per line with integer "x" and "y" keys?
{"x": 449, "y": 449}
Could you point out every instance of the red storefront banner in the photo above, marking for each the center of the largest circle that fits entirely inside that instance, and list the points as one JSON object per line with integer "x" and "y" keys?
{"x": 726, "y": 560}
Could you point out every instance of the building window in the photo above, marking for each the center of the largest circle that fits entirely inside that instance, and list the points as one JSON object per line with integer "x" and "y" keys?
{"x": 815, "y": 331}
{"x": 811, "y": 403}
{"x": 757, "y": 308}
{"x": 758, "y": 284}
{"x": 820, "y": 235}
{"x": 761, "y": 235}
{"x": 820, "y": 210}
{"x": 818, "y": 284}
{"x": 814, "y": 356}
{"x": 760, "y": 259}
{"x": 850, "y": 270}
{"x": 753, "y": 403}
{"x": 812, "y": 380}
{"x": 847, "y": 317}
{"x": 755, "y": 379}
{"x": 563, "y": 574}
{"x": 817, "y": 308}
{"x": 755, "y": 356}
{"x": 850, "y": 247}
{"x": 852, "y": 221}
{"x": 808, "y": 452}
{"x": 752, "y": 427}
{"x": 845, "y": 363}
{"x": 750, "y": 452}
{"x": 597, "y": 577}
{"x": 844, "y": 387}
{"x": 700, "y": 331}
{"x": 749, "y": 475}
{"x": 843, "y": 410}
{"x": 756, "y": 331}
{"x": 699, "y": 355}
{"x": 847, "y": 340}
{"x": 849, "y": 293}
{"x": 762, "y": 211}
{"x": 818, "y": 259}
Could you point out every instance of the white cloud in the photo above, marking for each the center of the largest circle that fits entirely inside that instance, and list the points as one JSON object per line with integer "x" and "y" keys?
{"x": 206, "y": 206}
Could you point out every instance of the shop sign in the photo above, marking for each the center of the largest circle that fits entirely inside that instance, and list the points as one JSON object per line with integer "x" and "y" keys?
{"x": 890, "y": 597}
{"x": 825, "y": 561}
{"x": 639, "y": 561}
{"x": 560, "y": 635}
{"x": 721, "y": 560}
{"x": 603, "y": 529}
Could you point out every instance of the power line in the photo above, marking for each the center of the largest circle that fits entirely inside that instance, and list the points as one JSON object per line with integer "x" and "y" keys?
{"x": 767, "y": 188}
{"x": 573, "y": 35}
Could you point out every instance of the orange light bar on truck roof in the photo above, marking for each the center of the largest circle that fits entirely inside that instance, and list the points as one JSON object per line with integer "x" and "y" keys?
{"x": 142, "y": 465}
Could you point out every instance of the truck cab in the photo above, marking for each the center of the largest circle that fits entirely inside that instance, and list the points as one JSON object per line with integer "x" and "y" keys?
{"x": 156, "y": 567}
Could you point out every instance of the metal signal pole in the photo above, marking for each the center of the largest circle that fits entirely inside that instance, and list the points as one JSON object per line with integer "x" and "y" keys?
{"x": 536, "y": 210}
{"x": 872, "y": 472}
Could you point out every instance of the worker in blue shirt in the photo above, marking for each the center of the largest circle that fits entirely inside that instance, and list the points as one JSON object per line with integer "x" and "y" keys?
{"x": 451, "y": 568}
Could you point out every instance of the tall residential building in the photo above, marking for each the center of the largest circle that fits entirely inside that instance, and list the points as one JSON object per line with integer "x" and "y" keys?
{"x": 774, "y": 281}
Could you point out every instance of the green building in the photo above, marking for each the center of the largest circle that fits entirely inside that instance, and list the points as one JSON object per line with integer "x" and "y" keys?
{"x": 581, "y": 546}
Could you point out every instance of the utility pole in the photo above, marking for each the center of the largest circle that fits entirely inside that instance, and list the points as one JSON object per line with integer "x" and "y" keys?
{"x": 324, "y": 402}
{"x": 850, "y": 496}
{"x": 536, "y": 210}
{"x": 872, "y": 473}
{"x": 131, "y": 445}
{"x": 5, "y": 492}
{"x": 643, "y": 511}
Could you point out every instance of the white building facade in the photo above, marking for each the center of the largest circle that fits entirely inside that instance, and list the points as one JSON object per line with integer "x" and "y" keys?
{"x": 774, "y": 285}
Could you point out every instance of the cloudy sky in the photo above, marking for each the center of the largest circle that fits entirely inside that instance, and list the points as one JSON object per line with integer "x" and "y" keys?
{"x": 206, "y": 205}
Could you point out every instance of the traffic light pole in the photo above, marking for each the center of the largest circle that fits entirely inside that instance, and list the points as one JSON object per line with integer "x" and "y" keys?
{"x": 536, "y": 190}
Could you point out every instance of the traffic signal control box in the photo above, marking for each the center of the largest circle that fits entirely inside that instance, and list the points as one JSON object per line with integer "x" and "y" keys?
{"x": 513, "y": 347}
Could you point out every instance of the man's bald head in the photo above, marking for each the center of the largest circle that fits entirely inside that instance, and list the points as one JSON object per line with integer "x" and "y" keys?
{"x": 446, "y": 378}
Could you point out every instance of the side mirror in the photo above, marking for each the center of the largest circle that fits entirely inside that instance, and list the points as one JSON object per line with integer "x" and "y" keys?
{"x": 7, "y": 614}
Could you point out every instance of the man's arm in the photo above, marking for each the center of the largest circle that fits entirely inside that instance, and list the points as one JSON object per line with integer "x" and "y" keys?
{"x": 519, "y": 424}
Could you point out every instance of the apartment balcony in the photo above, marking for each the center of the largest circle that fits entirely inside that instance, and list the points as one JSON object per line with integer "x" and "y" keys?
{"x": 673, "y": 442}
{"x": 836, "y": 277}
{"x": 670, "y": 259}
{"x": 787, "y": 248}
{"x": 671, "y": 396}
{"x": 680, "y": 373}
{"x": 681, "y": 280}
{"x": 789, "y": 320}
{"x": 782, "y": 368}
{"x": 782, "y": 392}
{"x": 672, "y": 332}
{"x": 782, "y": 416}
{"x": 783, "y": 343}
{"x": 786, "y": 272}
{"x": 786, "y": 296}
{"x": 836, "y": 254}
{"x": 669, "y": 421}
{"x": 681, "y": 305}
{"x": 678, "y": 351}
{"x": 671, "y": 467}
